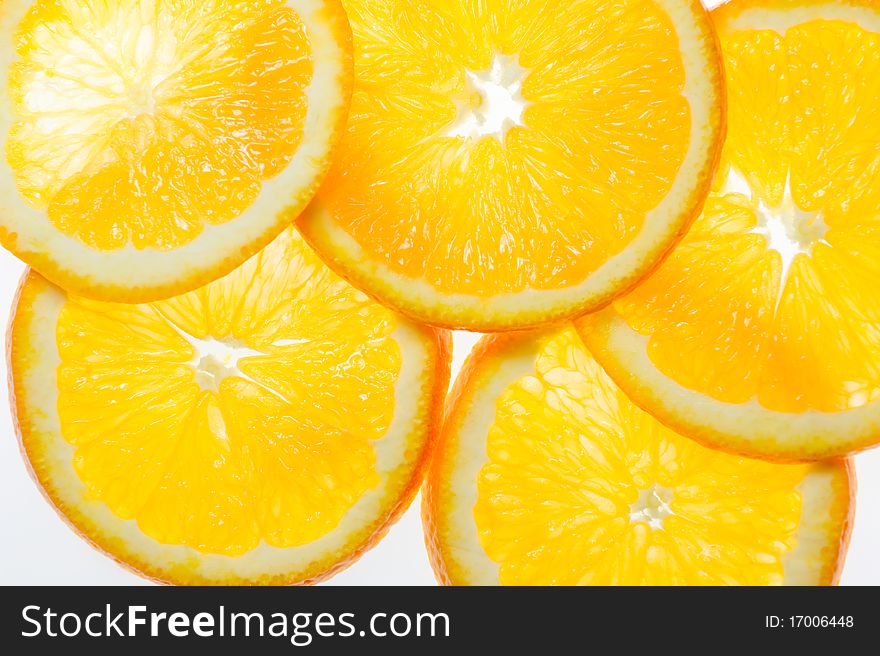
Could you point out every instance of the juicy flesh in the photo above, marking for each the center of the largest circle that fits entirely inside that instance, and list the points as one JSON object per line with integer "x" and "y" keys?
{"x": 773, "y": 294}
{"x": 138, "y": 122}
{"x": 582, "y": 487}
{"x": 243, "y": 412}
{"x": 522, "y": 143}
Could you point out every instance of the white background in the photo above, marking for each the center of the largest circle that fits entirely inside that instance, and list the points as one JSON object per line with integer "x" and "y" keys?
{"x": 36, "y": 547}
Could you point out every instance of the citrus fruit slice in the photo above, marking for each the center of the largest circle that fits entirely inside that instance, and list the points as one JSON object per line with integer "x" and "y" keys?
{"x": 507, "y": 164}
{"x": 151, "y": 146}
{"x": 266, "y": 428}
{"x": 546, "y": 473}
{"x": 759, "y": 334}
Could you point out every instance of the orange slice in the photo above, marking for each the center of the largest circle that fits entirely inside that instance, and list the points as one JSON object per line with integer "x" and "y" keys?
{"x": 512, "y": 163}
{"x": 759, "y": 334}
{"x": 267, "y": 428}
{"x": 546, "y": 473}
{"x": 151, "y": 146}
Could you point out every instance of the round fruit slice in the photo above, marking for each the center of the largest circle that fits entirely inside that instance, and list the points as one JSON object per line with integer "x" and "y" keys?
{"x": 267, "y": 428}
{"x": 759, "y": 334}
{"x": 512, "y": 163}
{"x": 152, "y": 146}
{"x": 546, "y": 473}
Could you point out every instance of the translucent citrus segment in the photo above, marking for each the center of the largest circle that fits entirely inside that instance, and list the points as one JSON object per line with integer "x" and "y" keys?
{"x": 246, "y": 416}
{"x": 159, "y": 425}
{"x": 601, "y": 493}
{"x": 139, "y": 121}
{"x": 806, "y": 340}
{"x": 770, "y": 299}
{"x": 778, "y": 273}
{"x": 525, "y": 155}
{"x": 532, "y": 205}
{"x": 570, "y": 483}
{"x": 144, "y": 126}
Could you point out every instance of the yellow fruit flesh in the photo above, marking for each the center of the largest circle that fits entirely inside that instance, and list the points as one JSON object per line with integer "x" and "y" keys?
{"x": 138, "y": 122}
{"x": 772, "y": 295}
{"x": 529, "y": 178}
{"x": 267, "y": 434}
{"x": 582, "y": 487}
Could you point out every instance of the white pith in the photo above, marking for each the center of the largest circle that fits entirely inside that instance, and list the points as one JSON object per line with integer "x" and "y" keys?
{"x": 464, "y": 453}
{"x": 788, "y": 230}
{"x": 652, "y": 506}
{"x": 215, "y": 360}
{"x": 781, "y": 19}
{"x": 747, "y": 427}
{"x": 493, "y": 102}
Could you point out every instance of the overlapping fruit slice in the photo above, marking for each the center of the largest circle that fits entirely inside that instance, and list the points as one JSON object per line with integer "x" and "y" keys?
{"x": 510, "y": 163}
{"x": 266, "y": 428}
{"x": 760, "y": 333}
{"x": 151, "y": 146}
{"x": 546, "y": 473}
